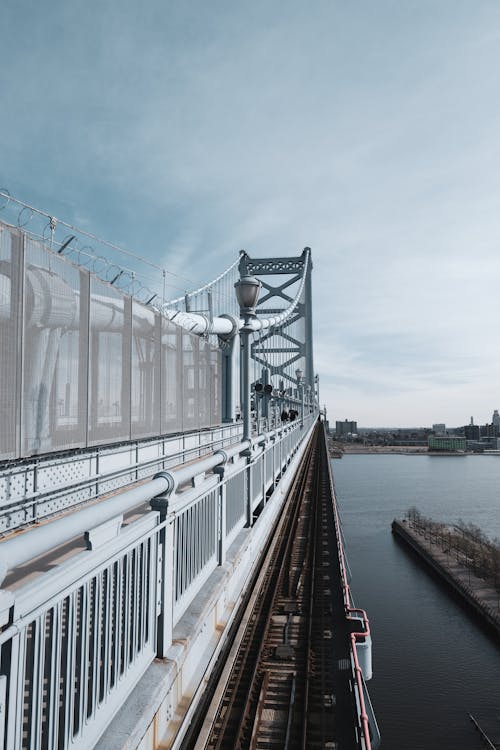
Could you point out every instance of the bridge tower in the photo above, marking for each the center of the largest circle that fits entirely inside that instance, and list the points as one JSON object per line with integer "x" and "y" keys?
{"x": 278, "y": 350}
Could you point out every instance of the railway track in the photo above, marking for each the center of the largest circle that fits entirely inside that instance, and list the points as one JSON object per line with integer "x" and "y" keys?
{"x": 287, "y": 679}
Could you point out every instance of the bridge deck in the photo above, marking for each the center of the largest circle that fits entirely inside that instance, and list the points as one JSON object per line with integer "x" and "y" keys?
{"x": 287, "y": 678}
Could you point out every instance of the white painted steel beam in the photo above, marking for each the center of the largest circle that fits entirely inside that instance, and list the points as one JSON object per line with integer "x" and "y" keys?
{"x": 227, "y": 325}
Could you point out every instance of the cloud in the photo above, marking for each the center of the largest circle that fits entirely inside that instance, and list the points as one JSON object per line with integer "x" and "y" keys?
{"x": 369, "y": 132}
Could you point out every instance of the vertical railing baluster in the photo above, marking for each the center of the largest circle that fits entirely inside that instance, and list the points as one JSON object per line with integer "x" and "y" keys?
{"x": 38, "y": 635}
{"x": 78, "y": 681}
{"x": 144, "y": 597}
{"x": 126, "y": 611}
{"x": 55, "y": 678}
{"x": 181, "y": 561}
{"x": 199, "y": 533}
{"x": 177, "y": 574}
{"x": 189, "y": 545}
{"x": 70, "y": 671}
{"x": 96, "y": 667}
{"x": 191, "y": 540}
{"x": 206, "y": 535}
{"x": 119, "y": 620}
{"x": 14, "y": 734}
{"x": 107, "y": 632}
{"x": 84, "y": 652}
{"x": 132, "y": 606}
{"x": 136, "y": 613}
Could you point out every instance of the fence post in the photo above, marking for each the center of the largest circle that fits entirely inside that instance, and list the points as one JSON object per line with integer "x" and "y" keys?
{"x": 249, "y": 493}
{"x": 221, "y": 515}
{"x": 166, "y": 577}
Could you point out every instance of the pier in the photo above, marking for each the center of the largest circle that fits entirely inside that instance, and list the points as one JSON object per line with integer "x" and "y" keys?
{"x": 452, "y": 568}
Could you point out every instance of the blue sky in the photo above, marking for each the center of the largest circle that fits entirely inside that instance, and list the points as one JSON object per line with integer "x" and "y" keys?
{"x": 369, "y": 131}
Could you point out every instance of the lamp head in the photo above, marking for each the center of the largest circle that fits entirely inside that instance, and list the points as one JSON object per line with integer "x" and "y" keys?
{"x": 247, "y": 293}
{"x": 299, "y": 373}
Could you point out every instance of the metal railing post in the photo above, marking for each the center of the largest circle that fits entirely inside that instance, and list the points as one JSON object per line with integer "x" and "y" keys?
{"x": 221, "y": 515}
{"x": 166, "y": 577}
{"x": 249, "y": 494}
{"x": 245, "y": 384}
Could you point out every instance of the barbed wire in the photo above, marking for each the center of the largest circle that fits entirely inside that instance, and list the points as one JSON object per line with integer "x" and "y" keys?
{"x": 73, "y": 243}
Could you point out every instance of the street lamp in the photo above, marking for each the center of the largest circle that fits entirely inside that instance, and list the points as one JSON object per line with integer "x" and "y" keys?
{"x": 300, "y": 382}
{"x": 247, "y": 293}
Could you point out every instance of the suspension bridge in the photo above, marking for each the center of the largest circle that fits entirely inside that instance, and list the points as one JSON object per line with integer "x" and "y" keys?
{"x": 171, "y": 559}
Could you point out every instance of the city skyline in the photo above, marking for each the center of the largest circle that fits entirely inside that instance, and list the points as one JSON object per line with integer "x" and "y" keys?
{"x": 495, "y": 419}
{"x": 368, "y": 132}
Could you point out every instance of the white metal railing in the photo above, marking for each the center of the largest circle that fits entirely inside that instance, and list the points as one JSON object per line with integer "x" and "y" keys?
{"x": 80, "y": 637}
{"x": 224, "y": 513}
{"x": 76, "y": 639}
{"x": 33, "y": 489}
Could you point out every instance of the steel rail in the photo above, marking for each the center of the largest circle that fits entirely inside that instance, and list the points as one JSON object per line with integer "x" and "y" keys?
{"x": 280, "y": 687}
{"x": 197, "y": 735}
{"x": 275, "y": 673}
{"x": 284, "y": 558}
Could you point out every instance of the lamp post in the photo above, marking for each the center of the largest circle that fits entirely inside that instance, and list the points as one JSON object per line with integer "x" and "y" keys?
{"x": 247, "y": 293}
{"x": 300, "y": 382}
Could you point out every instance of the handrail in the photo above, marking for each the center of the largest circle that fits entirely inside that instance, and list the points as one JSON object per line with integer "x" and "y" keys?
{"x": 17, "y": 550}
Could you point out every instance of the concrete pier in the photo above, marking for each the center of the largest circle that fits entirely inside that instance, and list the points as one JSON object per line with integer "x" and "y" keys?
{"x": 480, "y": 595}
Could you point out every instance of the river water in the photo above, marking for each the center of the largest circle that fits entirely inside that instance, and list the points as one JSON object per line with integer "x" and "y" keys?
{"x": 432, "y": 660}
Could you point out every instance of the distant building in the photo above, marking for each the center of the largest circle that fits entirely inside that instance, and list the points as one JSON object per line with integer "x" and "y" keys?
{"x": 471, "y": 431}
{"x": 439, "y": 428}
{"x": 476, "y": 446}
{"x": 346, "y": 428}
{"x": 489, "y": 430}
{"x": 495, "y": 421}
{"x": 491, "y": 443}
{"x": 446, "y": 443}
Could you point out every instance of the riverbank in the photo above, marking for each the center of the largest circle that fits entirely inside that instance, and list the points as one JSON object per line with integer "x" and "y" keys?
{"x": 337, "y": 451}
{"x": 479, "y": 594}
{"x": 353, "y": 448}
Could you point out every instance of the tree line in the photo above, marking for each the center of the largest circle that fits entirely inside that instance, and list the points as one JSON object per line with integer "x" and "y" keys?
{"x": 466, "y": 541}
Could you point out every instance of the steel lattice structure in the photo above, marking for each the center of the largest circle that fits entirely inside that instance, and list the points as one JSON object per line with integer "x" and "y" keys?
{"x": 287, "y": 347}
